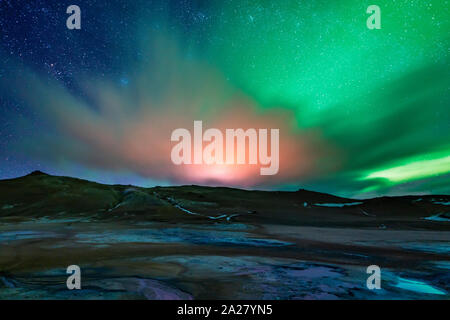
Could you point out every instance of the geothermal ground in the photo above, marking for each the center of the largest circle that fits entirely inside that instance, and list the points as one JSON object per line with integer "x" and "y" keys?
{"x": 194, "y": 242}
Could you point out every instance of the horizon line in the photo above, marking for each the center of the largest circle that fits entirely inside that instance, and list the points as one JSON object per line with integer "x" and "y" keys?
{"x": 39, "y": 172}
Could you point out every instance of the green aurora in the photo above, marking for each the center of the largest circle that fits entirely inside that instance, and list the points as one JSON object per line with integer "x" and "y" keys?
{"x": 379, "y": 98}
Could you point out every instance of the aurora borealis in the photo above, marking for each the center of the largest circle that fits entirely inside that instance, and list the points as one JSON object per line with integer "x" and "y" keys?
{"x": 361, "y": 112}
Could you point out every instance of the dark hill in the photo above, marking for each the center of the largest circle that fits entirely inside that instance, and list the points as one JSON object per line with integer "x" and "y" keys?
{"x": 39, "y": 194}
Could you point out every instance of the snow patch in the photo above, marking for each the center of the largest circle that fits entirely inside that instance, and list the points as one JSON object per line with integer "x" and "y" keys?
{"x": 437, "y": 217}
{"x": 337, "y": 205}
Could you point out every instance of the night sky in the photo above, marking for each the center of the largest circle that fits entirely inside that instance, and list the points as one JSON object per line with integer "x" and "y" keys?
{"x": 361, "y": 112}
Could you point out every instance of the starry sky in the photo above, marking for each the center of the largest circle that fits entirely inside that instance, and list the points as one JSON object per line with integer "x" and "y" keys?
{"x": 361, "y": 112}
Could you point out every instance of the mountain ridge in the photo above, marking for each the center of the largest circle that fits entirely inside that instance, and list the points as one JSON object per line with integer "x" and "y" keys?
{"x": 37, "y": 173}
{"x": 42, "y": 195}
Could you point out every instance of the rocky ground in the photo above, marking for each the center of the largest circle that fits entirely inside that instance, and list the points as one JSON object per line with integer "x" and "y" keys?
{"x": 194, "y": 242}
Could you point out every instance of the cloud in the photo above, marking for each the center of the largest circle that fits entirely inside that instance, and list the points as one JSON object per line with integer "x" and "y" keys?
{"x": 119, "y": 126}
